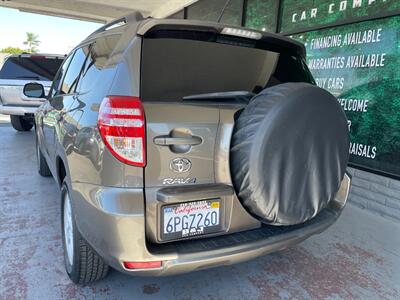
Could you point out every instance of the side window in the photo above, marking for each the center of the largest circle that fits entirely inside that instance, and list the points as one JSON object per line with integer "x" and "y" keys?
{"x": 71, "y": 78}
{"x": 60, "y": 74}
{"x": 99, "y": 54}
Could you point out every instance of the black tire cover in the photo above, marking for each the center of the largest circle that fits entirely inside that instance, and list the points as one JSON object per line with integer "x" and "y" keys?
{"x": 289, "y": 152}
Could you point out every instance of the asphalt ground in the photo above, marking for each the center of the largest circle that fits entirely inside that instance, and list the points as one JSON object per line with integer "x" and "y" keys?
{"x": 356, "y": 258}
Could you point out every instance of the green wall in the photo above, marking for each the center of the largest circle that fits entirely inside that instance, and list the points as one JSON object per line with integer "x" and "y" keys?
{"x": 360, "y": 64}
{"x": 262, "y": 14}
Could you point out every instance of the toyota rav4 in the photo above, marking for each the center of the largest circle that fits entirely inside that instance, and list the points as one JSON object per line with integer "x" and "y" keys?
{"x": 183, "y": 145}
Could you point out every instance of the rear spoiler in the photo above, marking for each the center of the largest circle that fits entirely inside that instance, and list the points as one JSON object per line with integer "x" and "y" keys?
{"x": 259, "y": 39}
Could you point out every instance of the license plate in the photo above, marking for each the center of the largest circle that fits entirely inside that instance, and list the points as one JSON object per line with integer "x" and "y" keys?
{"x": 190, "y": 219}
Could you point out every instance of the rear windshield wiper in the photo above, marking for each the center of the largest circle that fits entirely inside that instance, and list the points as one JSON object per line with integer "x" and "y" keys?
{"x": 221, "y": 96}
{"x": 28, "y": 77}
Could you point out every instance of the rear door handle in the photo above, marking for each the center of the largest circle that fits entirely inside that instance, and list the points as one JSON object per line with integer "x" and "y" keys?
{"x": 166, "y": 140}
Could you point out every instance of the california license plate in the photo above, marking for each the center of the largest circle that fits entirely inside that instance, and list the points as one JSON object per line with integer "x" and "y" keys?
{"x": 190, "y": 219}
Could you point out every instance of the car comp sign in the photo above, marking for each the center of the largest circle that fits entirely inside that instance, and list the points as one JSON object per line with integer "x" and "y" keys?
{"x": 308, "y": 14}
{"x": 360, "y": 64}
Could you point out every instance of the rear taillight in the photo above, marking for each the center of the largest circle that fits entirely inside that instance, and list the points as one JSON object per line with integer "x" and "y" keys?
{"x": 122, "y": 126}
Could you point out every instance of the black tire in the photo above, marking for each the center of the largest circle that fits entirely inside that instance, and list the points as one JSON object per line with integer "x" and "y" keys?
{"x": 289, "y": 153}
{"x": 87, "y": 266}
{"x": 43, "y": 167}
{"x": 21, "y": 123}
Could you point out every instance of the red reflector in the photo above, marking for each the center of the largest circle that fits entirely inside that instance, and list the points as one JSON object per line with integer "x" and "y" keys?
{"x": 142, "y": 265}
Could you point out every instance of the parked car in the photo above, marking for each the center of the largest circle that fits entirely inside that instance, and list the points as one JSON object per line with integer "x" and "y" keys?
{"x": 18, "y": 70}
{"x": 182, "y": 145}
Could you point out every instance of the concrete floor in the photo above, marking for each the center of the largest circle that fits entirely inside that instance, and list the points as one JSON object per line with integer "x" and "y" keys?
{"x": 357, "y": 258}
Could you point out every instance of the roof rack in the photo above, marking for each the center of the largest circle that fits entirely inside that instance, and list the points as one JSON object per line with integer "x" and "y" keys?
{"x": 133, "y": 17}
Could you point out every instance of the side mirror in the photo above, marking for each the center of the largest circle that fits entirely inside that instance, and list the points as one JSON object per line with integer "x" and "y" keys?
{"x": 34, "y": 90}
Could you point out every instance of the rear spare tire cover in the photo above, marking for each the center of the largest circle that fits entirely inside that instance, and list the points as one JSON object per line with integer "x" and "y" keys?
{"x": 289, "y": 152}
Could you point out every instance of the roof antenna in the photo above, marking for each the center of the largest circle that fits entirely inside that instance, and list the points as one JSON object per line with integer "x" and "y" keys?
{"x": 223, "y": 10}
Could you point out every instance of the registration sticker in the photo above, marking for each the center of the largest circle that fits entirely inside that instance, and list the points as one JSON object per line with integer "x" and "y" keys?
{"x": 215, "y": 204}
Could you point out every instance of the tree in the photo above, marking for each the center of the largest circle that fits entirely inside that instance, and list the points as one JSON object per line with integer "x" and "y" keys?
{"x": 32, "y": 42}
{"x": 12, "y": 50}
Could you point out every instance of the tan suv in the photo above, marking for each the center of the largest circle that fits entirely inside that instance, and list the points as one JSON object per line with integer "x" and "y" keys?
{"x": 182, "y": 145}
{"x": 17, "y": 71}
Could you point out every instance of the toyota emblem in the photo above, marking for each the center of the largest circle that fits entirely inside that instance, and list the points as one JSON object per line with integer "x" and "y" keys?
{"x": 180, "y": 165}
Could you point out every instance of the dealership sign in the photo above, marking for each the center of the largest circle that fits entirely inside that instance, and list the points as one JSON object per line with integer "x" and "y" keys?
{"x": 360, "y": 64}
{"x": 308, "y": 14}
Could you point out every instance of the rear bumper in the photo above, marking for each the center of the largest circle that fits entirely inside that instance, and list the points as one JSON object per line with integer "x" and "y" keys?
{"x": 237, "y": 247}
{"x": 113, "y": 223}
{"x": 17, "y": 110}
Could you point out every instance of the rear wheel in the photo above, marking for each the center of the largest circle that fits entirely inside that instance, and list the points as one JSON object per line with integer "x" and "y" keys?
{"x": 82, "y": 263}
{"x": 21, "y": 123}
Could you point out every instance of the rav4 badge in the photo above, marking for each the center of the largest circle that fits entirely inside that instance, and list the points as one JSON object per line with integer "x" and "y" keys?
{"x": 179, "y": 180}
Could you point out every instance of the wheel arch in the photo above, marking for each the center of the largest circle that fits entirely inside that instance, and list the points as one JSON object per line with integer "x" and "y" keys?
{"x": 62, "y": 170}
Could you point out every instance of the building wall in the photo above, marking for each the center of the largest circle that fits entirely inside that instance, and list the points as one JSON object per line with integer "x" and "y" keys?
{"x": 376, "y": 193}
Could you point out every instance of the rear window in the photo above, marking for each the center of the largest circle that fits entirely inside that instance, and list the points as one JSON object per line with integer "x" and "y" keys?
{"x": 34, "y": 68}
{"x": 176, "y": 68}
